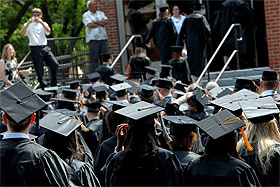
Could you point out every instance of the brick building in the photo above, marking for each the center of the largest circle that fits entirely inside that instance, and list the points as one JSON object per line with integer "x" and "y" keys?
{"x": 267, "y": 40}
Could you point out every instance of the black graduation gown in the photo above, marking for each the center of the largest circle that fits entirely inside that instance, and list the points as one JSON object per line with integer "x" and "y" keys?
{"x": 166, "y": 171}
{"x": 163, "y": 34}
{"x": 233, "y": 11}
{"x": 102, "y": 153}
{"x": 272, "y": 177}
{"x": 195, "y": 31}
{"x": 92, "y": 137}
{"x": 181, "y": 71}
{"x": 138, "y": 64}
{"x": 105, "y": 72}
{"x": 220, "y": 171}
{"x": 25, "y": 163}
{"x": 85, "y": 172}
{"x": 185, "y": 157}
{"x": 167, "y": 99}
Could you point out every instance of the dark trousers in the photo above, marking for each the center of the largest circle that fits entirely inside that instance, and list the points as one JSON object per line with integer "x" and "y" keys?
{"x": 96, "y": 47}
{"x": 40, "y": 54}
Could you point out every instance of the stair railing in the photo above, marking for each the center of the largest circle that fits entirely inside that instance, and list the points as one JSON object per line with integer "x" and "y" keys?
{"x": 233, "y": 26}
{"x": 125, "y": 47}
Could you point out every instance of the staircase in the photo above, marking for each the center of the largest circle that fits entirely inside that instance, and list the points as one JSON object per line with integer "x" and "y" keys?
{"x": 229, "y": 77}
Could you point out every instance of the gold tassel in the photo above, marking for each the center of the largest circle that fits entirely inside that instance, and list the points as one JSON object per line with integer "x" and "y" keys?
{"x": 250, "y": 148}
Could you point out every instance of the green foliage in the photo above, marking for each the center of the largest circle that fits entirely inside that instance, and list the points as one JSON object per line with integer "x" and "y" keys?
{"x": 58, "y": 10}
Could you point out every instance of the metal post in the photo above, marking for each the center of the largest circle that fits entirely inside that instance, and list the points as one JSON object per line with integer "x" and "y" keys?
{"x": 72, "y": 61}
{"x": 236, "y": 47}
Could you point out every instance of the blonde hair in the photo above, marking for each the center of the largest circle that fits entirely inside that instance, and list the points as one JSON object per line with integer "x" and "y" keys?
{"x": 140, "y": 52}
{"x": 5, "y": 52}
{"x": 36, "y": 10}
{"x": 263, "y": 136}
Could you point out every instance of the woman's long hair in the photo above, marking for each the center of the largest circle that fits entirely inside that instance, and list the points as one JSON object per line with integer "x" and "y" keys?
{"x": 263, "y": 136}
{"x": 141, "y": 150}
{"x": 5, "y": 52}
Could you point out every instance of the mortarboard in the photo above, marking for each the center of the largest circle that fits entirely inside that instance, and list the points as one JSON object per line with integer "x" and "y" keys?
{"x": 180, "y": 86}
{"x": 139, "y": 110}
{"x": 199, "y": 97}
{"x": 181, "y": 125}
{"x": 259, "y": 111}
{"x": 121, "y": 89}
{"x": 118, "y": 104}
{"x": 151, "y": 70}
{"x": 220, "y": 124}
{"x": 65, "y": 103}
{"x": 93, "y": 77}
{"x": 53, "y": 89}
{"x": 69, "y": 93}
{"x": 154, "y": 81}
{"x": 101, "y": 91}
{"x": 165, "y": 69}
{"x": 230, "y": 102}
{"x": 43, "y": 94}
{"x": 225, "y": 92}
{"x": 164, "y": 83}
{"x": 177, "y": 48}
{"x": 215, "y": 91}
{"x": 93, "y": 107}
{"x": 162, "y": 7}
{"x": 59, "y": 123}
{"x": 74, "y": 84}
{"x": 269, "y": 75}
{"x": 197, "y": 6}
{"x": 133, "y": 88}
{"x": 19, "y": 102}
{"x": 147, "y": 91}
{"x": 241, "y": 83}
{"x": 64, "y": 111}
{"x": 119, "y": 78}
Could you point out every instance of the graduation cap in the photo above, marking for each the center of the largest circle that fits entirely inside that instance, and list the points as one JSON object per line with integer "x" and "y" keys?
{"x": 164, "y": 83}
{"x": 261, "y": 110}
{"x": 199, "y": 97}
{"x": 230, "y": 102}
{"x": 121, "y": 89}
{"x": 69, "y": 93}
{"x": 64, "y": 111}
{"x": 119, "y": 78}
{"x": 53, "y": 89}
{"x": 241, "y": 83}
{"x": 59, "y": 123}
{"x": 93, "y": 77}
{"x": 154, "y": 81}
{"x": 74, "y": 84}
{"x": 105, "y": 57}
{"x": 139, "y": 110}
{"x": 46, "y": 96}
{"x": 65, "y": 103}
{"x": 162, "y": 7}
{"x": 181, "y": 125}
{"x": 220, "y": 124}
{"x": 147, "y": 91}
{"x": 165, "y": 70}
{"x": 269, "y": 75}
{"x": 177, "y": 48}
{"x": 118, "y": 104}
{"x": 133, "y": 88}
{"x": 180, "y": 86}
{"x": 19, "y": 102}
{"x": 215, "y": 91}
{"x": 225, "y": 92}
{"x": 101, "y": 91}
{"x": 197, "y": 6}
{"x": 93, "y": 107}
{"x": 151, "y": 70}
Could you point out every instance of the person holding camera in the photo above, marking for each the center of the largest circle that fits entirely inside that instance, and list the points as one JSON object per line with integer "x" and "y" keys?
{"x": 36, "y": 30}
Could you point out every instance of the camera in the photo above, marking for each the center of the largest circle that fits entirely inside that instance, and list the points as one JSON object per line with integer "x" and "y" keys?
{"x": 35, "y": 19}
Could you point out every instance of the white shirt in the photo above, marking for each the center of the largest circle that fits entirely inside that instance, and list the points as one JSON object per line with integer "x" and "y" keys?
{"x": 178, "y": 22}
{"x": 98, "y": 33}
{"x": 15, "y": 135}
{"x": 36, "y": 34}
{"x": 267, "y": 93}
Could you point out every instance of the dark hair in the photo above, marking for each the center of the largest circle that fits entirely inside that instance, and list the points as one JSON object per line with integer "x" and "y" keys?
{"x": 20, "y": 126}
{"x": 182, "y": 142}
{"x": 198, "y": 106}
{"x": 113, "y": 119}
{"x": 147, "y": 99}
{"x": 270, "y": 84}
{"x": 141, "y": 150}
{"x": 225, "y": 145}
{"x": 67, "y": 148}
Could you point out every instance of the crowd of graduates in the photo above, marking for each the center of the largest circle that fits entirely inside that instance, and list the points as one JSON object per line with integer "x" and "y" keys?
{"x": 152, "y": 130}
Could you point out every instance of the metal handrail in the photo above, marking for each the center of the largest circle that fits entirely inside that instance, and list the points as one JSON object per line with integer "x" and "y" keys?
{"x": 124, "y": 48}
{"x": 23, "y": 60}
{"x": 220, "y": 45}
{"x": 225, "y": 66}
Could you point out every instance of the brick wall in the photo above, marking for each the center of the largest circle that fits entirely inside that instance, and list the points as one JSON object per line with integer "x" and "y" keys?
{"x": 272, "y": 17}
{"x": 109, "y": 8}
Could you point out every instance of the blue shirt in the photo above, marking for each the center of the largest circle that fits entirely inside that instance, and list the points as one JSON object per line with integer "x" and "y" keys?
{"x": 15, "y": 135}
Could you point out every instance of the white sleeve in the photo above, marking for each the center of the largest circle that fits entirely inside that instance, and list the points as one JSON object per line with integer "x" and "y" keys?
{"x": 47, "y": 33}
{"x": 86, "y": 19}
{"x": 27, "y": 30}
{"x": 103, "y": 16}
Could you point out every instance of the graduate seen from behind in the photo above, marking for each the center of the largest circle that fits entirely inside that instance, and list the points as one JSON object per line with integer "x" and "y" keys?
{"x": 23, "y": 162}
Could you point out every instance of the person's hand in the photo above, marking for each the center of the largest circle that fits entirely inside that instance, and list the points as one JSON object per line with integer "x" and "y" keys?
{"x": 277, "y": 99}
{"x": 102, "y": 109}
{"x": 188, "y": 95}
{"x": 121, "y": 133}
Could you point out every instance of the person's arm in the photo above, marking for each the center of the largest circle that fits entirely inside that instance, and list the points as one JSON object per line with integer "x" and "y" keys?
{"x": 2, "y": 73}
{"x": 102, "y": 22}
{"x": 46, "y": 26}
{"x": 23, "y": 30}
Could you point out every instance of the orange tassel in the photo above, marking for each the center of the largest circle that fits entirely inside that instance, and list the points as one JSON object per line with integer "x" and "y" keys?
{"x": 250, "y": 148}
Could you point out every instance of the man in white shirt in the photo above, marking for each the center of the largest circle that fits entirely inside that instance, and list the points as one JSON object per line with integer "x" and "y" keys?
{"x": 96, "y": 35}
{"x": 36, "y": 30}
